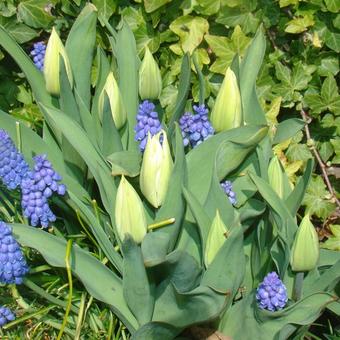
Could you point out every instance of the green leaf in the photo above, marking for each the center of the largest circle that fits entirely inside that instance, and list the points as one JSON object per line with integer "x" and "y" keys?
{"x": 190, "y": 31}
{"x": 33, "y": 13}
{"x": 155, "y": 248}
{"x": 137, "y": 289}
{"x": 333, "y": 5}
{"x": 333, "y": 241}
{"x": 287, "y": 129}
{"x": 329, "y": 65}
{"x": 20, "y": 32}
{"x": 299, "y": 25}
{"x": 317, "y": 198}
{"x": 99, "y": 281}
{"x": 156, "y": 331}
{"x": 152, "y": 5}
{"x": 125, "y": 163}
{"x": 105, "y": 9}
{"x": 332, "y": 40}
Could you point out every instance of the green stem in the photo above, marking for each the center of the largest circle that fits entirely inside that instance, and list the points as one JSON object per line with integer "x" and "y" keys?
{"x": 18, "y": 133}
{"x": 161, "y": 224}
{"x": 298, "y": 284}
{"x": 18, "y": 298}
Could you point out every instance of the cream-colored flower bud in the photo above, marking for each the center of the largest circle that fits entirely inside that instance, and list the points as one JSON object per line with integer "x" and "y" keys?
{"x": 117, "y": 108}
{"x": 305, "y": 251}
{"x": 156, "y": 169}
{"x": 54, "y": 50}
{"x": 150, "y": 80}
{"x": 227, "y": 112}
{"x": 217, "y": 235}
{"x": 129, "y": 212}
{"x": 278, "y": 179}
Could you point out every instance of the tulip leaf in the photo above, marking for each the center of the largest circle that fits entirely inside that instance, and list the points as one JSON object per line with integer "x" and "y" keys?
{"x": 155, "y": 248}
{"x": 80, "y": 46}
{"x": 125, "y": 163}
{"x": 138, "y": 291}
{"x": 288, "y": 129}
{"x": 259, "y": 324}
{"x": 99, "y": 281}
{"x": 156, "y": 331}
{"x": 252, "y": 208}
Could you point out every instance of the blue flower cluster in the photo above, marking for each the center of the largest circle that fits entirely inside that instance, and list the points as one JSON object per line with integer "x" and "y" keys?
{"x": 196, "y": 127}
{"x": 271, "y": 293}
{"x": 37, "y": 188}
{"x": 13, "y": 167}
{"x": 5, "y": 315}
{"x": 228, "y": 189}
{"x": 38, "y": 54}
{"x": 147, "y": 121}
{"x": 13, "y": 266}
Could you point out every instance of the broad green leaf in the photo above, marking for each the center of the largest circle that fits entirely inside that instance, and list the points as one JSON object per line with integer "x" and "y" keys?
{"x": 329, "y": 65}
{"x": 125, "y": 163}
{"x": 333, "y": 5}
{"x": 299, "y": 25}
{"x": 80, "y": 46}
{"x": 152, "y": 5}
{"x": 99, "y": 281}
{"x": 332, "y": 40}
{"x": 105, "y": 9}
{"x": 33, "y": 13}
{"x": 190, "y": 30}
{"x": 137, "y": 289}
{"x": 287, "y": 129}
{"x": 20, "y": 32}
{"x": 156, "y": 331}
{"x": 155, "y": 248}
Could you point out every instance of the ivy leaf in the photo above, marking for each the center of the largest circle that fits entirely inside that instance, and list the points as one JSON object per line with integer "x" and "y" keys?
{"x": 332, "y": 40}
{"x": 20, "y": 32}
{"x": 333, "y": 242}
{"x": 317, "y": 197}
{"x": 333, "y": 5}
{"x": 329, "y": 65}
{"x": 190, "y": 31}
{"x": 299, "y": 25}
{"x": 336, "y": 146}
{"x": 105, "y": 9}
{"x": 285, "y": 3}
{"x": 152, "y": 5}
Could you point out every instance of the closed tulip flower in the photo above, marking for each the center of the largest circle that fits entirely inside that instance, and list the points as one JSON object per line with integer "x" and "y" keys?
{"x": 54, "y": 50}
{"x": 156, "y": 169}
{"x": 227, "y": 111}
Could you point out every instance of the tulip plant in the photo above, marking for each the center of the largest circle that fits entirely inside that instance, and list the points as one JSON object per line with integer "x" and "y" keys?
{"x": 195, "y": 218}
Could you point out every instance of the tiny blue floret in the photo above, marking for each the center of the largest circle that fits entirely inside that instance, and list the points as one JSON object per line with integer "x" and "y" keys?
{"x": 13, "y": 167}
{"x": 271, "y": 293}
{"x": 6, "y": 315}
{"x": 38, "y": 54}
{"x": 13, "y": 266}
{"x": 228, "y": 189}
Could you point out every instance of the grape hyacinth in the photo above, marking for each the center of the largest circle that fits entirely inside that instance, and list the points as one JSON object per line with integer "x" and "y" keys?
{"x": 6, "y": 315}
{"x": 196, "y": 127}
{"x": 228, "y": 189}
{"x": 13, "y": 167}
{"x": 271, "y": 293}
{"x": 38, "y": 54}
{"x": 147, "y": 121}
{"x": 13, "y": 266}
{"x": 37, "y": 188}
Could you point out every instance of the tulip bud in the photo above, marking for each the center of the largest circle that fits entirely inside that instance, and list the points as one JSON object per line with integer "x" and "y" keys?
{"x": 278, "y": 178}
{"x": 216, "y": 237}
{"x": 54, "y": 50}
{"x": 130, "y": 216}
{"x": 156, "y": 169}
{"x": 115, "y": 99}
{"x": 227, "y": 111}
{"x": 150, "y": 80}
{"x": 305, "y": 251}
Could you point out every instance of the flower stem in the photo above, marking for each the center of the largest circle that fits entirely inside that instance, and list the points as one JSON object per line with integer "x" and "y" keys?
{"x": 161, "y": 224}
{"x": 298, "y": 284}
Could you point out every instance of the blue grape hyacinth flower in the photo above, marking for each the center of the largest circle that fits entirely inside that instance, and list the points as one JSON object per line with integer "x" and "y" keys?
{"x": 39, "y": 185}
{"x": 147, "y": 121}
{"x": 13, "y": 266}
{"x": 6, "y": 315}
{"x": 228, "y": 189}
{"x": 271, "y": 293}
{"x": 13, "y": 167}
{"x": 196, "y": 127}
{"x": 38, "y": 54}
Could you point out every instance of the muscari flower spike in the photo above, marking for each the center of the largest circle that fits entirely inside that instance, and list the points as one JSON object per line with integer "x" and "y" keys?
{"x": 6, "y": 315}
{"x": 271, "y": 293}
{"x": 228, "y": 189}
{"x": 196, "y": 127}
{"x": 13, "y": 266}
{"x": 38, "y": 54}
{"x": 147, "y": 121}
{"x": 13, "y": 167}
{"x": 37, "y": 188}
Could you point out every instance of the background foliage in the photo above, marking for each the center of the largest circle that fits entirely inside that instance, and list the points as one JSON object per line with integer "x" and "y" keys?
{"x": 300, "y": 71}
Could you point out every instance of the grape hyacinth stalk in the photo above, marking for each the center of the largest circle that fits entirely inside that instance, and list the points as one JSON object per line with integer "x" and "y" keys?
{"x": 38, "y": 54}
{"x": 228, "y": 189}
{"x": 196, "y": 127}
{"x": 147, "y": 121}
{"x": 271, "y": 293}
{"x": 13, "y": 167}
{"x": 37, "y": 188}
{"x": 6, "y": 315}
{"x": 13, "y": 266}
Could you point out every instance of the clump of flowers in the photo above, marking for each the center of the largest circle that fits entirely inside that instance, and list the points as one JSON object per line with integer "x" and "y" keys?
{"x": 6, "y": 315}
{"x": 13, "y": 167}
{"x": 39, "y": 185}
{"x": 196, "y": 127}
{"x": 271, "y": 293}
{"x": 147, "y": 121}
{"x": 228, "y": 189}
{"x": 38, "y": 54}
{"x": 13, "y": 266}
